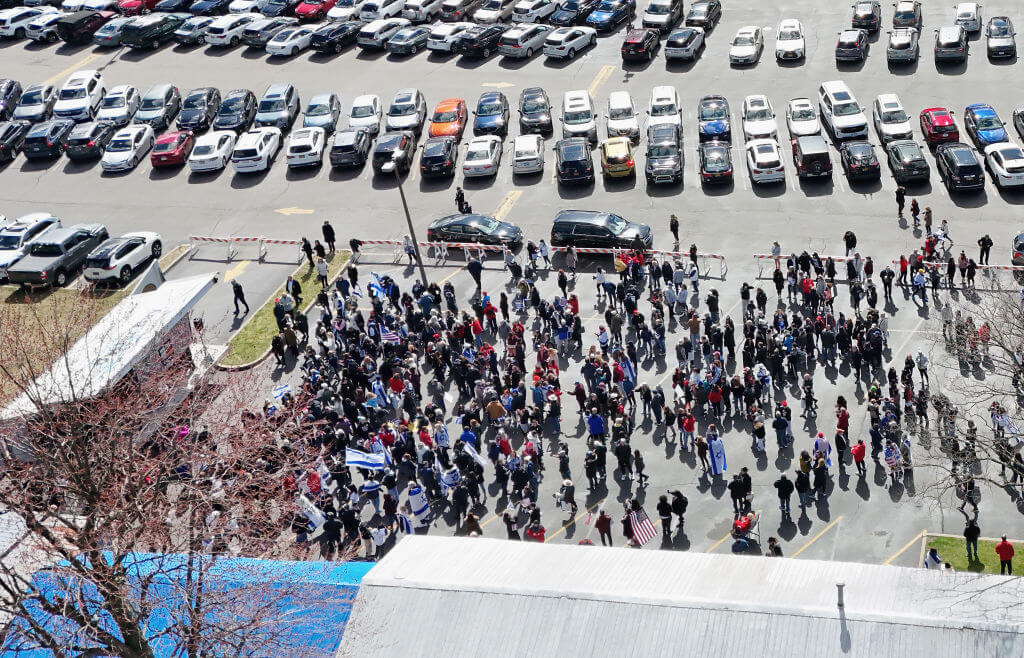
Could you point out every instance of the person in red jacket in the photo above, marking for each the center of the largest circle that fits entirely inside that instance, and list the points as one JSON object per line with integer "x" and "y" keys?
{"x": 858, "y": 452}
{"x": 535, "y": 532}
{"x": 1004, "y": 550}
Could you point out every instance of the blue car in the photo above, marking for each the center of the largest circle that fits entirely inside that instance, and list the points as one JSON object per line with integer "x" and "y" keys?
{"x": 209, "y": 7}
{"x": 714, "y": 119}
{"x": 491, "y": 115}
{"x": 984, "y": 125}
{"x": 610, "y": 14}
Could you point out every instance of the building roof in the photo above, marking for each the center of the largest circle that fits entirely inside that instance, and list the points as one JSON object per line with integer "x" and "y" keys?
{"x": 467, "y": 595}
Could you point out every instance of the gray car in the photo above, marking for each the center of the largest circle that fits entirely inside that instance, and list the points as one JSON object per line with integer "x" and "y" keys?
{"x": 109, "y": 35}
{"x": 350, "y": 148}
{"x": 193, "y": 30}
{"x": 57, "y": 255}
{"x": 262, "y": 30}
{"x": 36, "y": 103}
{"x": 664, "y": 157}
{"x": 1001, "y": 41}
{"x": 159, "y": 106}
{"x": 904, "y": 46}
{"x": 322, "y": 112}
{"x": 951, "y": 44}
{"x": 278, "y": 107}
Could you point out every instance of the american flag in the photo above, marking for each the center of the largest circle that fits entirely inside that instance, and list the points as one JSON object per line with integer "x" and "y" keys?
{"x": 643, "y": 529}
{"x": 389, "y": 336}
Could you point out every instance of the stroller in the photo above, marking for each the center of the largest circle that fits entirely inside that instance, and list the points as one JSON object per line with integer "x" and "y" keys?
{"x": 745, "y": 532}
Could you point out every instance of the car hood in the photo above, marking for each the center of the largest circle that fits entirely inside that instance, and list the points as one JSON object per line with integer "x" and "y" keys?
{"x": 149, "y": 114}
{"x": 402, "y": 122}
{"x": 28, "y": 111}
{"x": 362, "y": 121}
{"x": 742, "y": 51}
{"x": 188, "y": 116}
{"x": 633, "y": 231}
{"x": 539, "y": 117}
{"x": 506, "y": 230}
{"x": 714, "y": 127}
{"x": 657, "y": 19}
{"x": 759, "y": 127}
{"x": 789, "y": 45}
{"x": 318, "y": 121}
{"x": 663, "y": 162}
{"x": 70, "y": 104}
{"x": 849, "y": 120}
{"x": 600, "y": 16}
{"x": 116, "y": 157}
{"x": 993, "y": 136}
{"x": 624, "y": 124}
{"x": 902, "y": 128}
{"x": 343, "y": 13}
{"x": 804, "y": 128}
{"x": 492, "y": 121}
{"x": 563, "y": 16}
{"x": 111, "y": 113}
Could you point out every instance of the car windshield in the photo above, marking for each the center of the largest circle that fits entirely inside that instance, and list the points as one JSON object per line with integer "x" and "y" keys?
{"x": 73, "y": 93}
{"x": 845, "y": 109}
{"x": 403, "y": 110}
{"x": 120, "y": 144}
{"x": 713, "y": 112}
{"x": 485, "y": 224}
{"x": 478, "y": 153}
{"x": 664, "y": 110}
{"x": 32, "y": 97}
{"x": 966, "y": 14}
{"x": 435, "y": 149}
{"x": 362, "y": 111}
{"x": 904, "y": 14}
{"x": 492, "y": 5}
{"x": 272, "y": 105}
{"x": 488, "y": 109}
{"x": 759, "y": 114}
{"x": 802, "y": 114}
{"x": 203, "y": 149}
{"x": 8, "y": 242}
{"x": 661, "y": 150}
{"x": 616, "y": 224}
{"x": 743, "y": 40}
{"x": 345, "y": 3}
{"x": 445, "y": 117}
{"x": 570, "y": 5}
{"x": 863, "y": 9}
{"x": 572, "y": 152}
{"x": 789, "y": 35}
{"x": 533, "y": 106}
{"x": 577, "y": 116}
{"x": 231, "y": 106}
{"x": 716, "y": 158}
{"x": 44, "y": 249}
{"x": 616, "y": 153}
{"x": 659, "y": 8}
{"x": 1012, "y": 153}
{"x": 989, "y": 122}
{"x": 1000, "y": 30}
{"x": 894, "y": 116}
{"x": 318, "y": 110}
{"x": 152, "y": 103}
{"x": 165, "y": 146}
{"x": 113, "y": 101}
{"x": 197, "y": 102}
{"x": 620, "y": 113}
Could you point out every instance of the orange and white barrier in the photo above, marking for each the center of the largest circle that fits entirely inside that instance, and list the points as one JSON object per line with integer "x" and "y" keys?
{"x": 232, "y": 243}
{"x": 759, "y": 260}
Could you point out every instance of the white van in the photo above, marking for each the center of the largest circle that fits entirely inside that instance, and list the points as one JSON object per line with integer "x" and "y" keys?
{"x": 840, "y": 111}
{"x": 578, "y": 115}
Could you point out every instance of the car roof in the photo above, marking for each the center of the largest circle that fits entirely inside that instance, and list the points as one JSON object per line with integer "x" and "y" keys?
{"x": 887, "y": 99}
{"x": 201, "y": 91}
{"x": 981, "y": 109}
{"x": 170, "y": 137}
{"x": 485, "y": 139}
{"x": 120, "y": 90}
{"x": 950, "y": 32}
{"x": 366, "y": 99}
{"x": 25, "y": 222}
{"x": 158, "y": 90}
{"x": 747, "y": 29}
{"x": 490, "y": 96}
{"x": 213, "y": 137}
{"x": 662, "y": 132}
{"x": 131, "y": 131}
{"x": 323, "y": 97}
{"x": 306, "y": 134}
{"x": 449, "y": 104}
{"x": 582, "y": 216}
{"x": 277, "y": 89}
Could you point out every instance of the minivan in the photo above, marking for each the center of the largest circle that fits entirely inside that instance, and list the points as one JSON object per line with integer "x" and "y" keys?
{"x": 578, "y": 115}
{"x": 810, "y": 156}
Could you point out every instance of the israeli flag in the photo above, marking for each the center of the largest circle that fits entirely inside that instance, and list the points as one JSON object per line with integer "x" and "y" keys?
{"x": 513, "y": 463}
{"x": 280, "y": 391}
{"x": 822, "y": 445}
{"x": 441, "y": 437}
{"x": 471, "y": 451}
{"x": 380, "y": 391}
{"x": 628, "y": 370}
{"x": 363, "y": 460}
{"x": 418, "y": 503}
{"x": 449, "y": 479}
{"x": 717, "y": 450}
{"x": 375, "y": 285}
{"x": 405, "y": 524}
{"x": 379, "y": 449}
{"x": 312, "y": 512}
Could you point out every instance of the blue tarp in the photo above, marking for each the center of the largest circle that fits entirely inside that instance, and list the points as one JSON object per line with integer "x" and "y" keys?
{"x": 310, "y": 601}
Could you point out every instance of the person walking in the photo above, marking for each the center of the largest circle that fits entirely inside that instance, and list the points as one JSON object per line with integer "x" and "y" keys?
{"x": 639, "y": 465}
{"x": 984, "y": 247}
{"x": 321, "y": 272}
{"x": 850, "y": 240}
{"x": 971, "y": 534}
{"x": 329, "y": 235}
{"x": 1004, "y": 550}
{"x": 673, "y": 226}
{"x": 785, "y": 489}
{"x": 294, "y": 288}
{"x": 901, "y": 199}
{"x": 679, "y": 505}
{"x": 460, "y": 200}
{"x": 475, "y": 268}
{"x": 736, "y": 492}
{"x": 236, "y": 289}
{"x": 604, "y": 527}
{"x": 859, "y": 451}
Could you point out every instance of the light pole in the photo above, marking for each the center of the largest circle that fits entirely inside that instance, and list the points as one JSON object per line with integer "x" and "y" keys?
{"x": 395, "y": 160}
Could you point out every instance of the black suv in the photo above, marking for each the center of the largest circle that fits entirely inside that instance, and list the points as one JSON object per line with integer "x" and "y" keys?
{"x": 398, "y": 146}
{"x": 574, "y": 162}
{"x": 151, "y": 30}
{"x": 640, "y": 44}
{"x": 534, "y": 111}
{"x": 439, "y": 157}
{"x": 481, "y": 41}
{"x": 959, "y": 167}
{"x": 236, "y": 111}
{"x": 592, "y": 228}
{"x": 867, "y": 15}
{"x": 664, "y": 156}
{"x": 12, "y": 136}
{"x": 810, "y": 157}
{"x": 199, "y": 109}
{"x": 572, "y": 12}
{"x": 859, "y": 161}
{"x": 48, "y": 139}
{"x": 88, "y": 140}
{"x": 906, "y": 161}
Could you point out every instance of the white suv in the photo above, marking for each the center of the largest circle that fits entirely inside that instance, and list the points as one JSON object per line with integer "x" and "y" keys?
{"x": 255, "y": 150}
{"x": 891, "y": 120}
{"x": 664, "y": 108}
{"x": 578, "y": 115}
{"x": 14, "y": 237}
{"x": 227, "y": 30}
{"x": 840, "y": 112}
{"x": 119, "y": 258}
{"x": 80, "y": 96}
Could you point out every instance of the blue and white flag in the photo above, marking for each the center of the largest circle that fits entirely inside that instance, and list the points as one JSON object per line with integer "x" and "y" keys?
{"x": 379, "y": 448}
{"x": 418, "y": 503}
{"x": 280, "y": 391}
{"x": 375, "y": 286}
{"x": 513, "y": 463}
{"x": 471, "y": 451}
{"x": 628, "y": 370}
{"x": 380, "y": 391}
{"x": 441, "y": 437}
{"x": 717, "y": 450}
{"x": 364, "y": 460}
{"x": 405, "y": 524}
{"x": 449, "y": 479}
{"x": 822, "y": 445}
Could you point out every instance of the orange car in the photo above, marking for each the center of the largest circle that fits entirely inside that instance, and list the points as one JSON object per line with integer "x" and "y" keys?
{"x": 449, "y": 119}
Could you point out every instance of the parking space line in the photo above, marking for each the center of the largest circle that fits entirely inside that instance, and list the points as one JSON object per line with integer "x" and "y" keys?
{"x": 572, "y": 521}
{"x": 505, "y": 207}
{"x": 910, "y": 543}
{"x": 234, "y": 271}
{"x": 817, "y": 536}
{"x": 71, "y": 69}
{"x": 601, "y": 78}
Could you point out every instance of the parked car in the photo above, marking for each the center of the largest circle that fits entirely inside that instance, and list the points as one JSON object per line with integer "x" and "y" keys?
{"x": 758, "y": 118}
{"x": 790, "y": 45}
{"x": 764, "y": 162}
{"x": 290, "y": 41}
{"x": 475, "y": 228}
{"x": 306, "y": 148}
{"x": 523, "y": 40}
{"x": 47, "y": 140}
{"x": 591, "y": 228}
{"x": 852, "y": 46}
{"x": 565, "y": 42}
{"x": 572, "y": 12}
{"x": 907, "y": 162}
{"x": 43, "y": 28}
{"x": 212, "y": 151}
{"x": 313, "y": 10}
{"x": 17, "y": 236}
{"x": 36, "y": 103}
{"x": 714, "y": 159}
{"x": 859, "y": 160}
{"x": 1005, "y": 162}
{"x": 12, "y": 137}
{"x": 256, "y": 149}
{"x": 621, "y": 117}
{"x": 533, "y": 11}
{"x": 714, "y": 119}
{"x": 664, "y": 156}
{"x": 439, "y": 157}
{"x": 55, "y": 257}
{"x": 483, "y": 157}
{"x": 394, "y": 152}
{"x": 746, "y": 46}
{"x": 444, "y": 37}
{"x": 350, "y": 148}
{"x": 891, "y": 120}
{"x": 345, "y": 10}
{"x": 10, "y": 94}
{"x": 662, "y": 15}
{"x": 365, "y": 113}
{"x": 535, "y": 111}
{"x": 172, "y": 149}
{"x": 491, "y": 114}
{"x": 574, "y": 162}
{"x": 609, "y": 14}
{"x": 904, "y": 46}
{"x": 109, "y": 35}
{"x": 409, "y": 40}
{"x": 951, "y": 44}
{"x": 704, "y": 14}
{"x": 1000, "y": 37}
{"x": 227, "y": 30}
{"x": 938, "y": 126}
{"x": 193, "y": 30}
{"x": 811, "y": 157}
{"x": 236, "y": 112}
{"x": 14, "y": 21}
{"x": 159, "y": 106}
{"x": 258, "y": 33}
{"x": 279, "y": 107}
{"x": 335, "y": 37}
{"x": 449, "y": 119}
{"x": 79, "y": 97}
{"x": 323, "y": 111}
{"x": 151, "y": 30}
{"x": 907, "y": 13}
{"x": 89, "y": 140}
{"x": 867, "y": 15}
{"x": 983, "y": 125}
{"x": 199, "y": 109}
{"x": 119, "y": 258}
{"x": 528, "y": 154}
{"x": 642, "y": 44}
{"x": 128, "y": 147}
{"x": 481, "y": 41}
{"x": 617, "y": 158}
{"x": 684, "y": 43}
{"x": 801, "y": 119}
{"x": 80, "y": 26}
{"x": 959, "y": 167}
{"x": 408, "y": 111}
{"x": 968, "y": 16}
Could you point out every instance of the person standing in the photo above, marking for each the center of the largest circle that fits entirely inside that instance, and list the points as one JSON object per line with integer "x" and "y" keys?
{"x": 984, "y": 246}
{"x": 307, "y": 249}
{"x": 971, "y": 534}
{"x": 294, "y": 288}
{"x": 604, "y": 527}
{"x": 321, "y": 272}
{"x": 673, "y": 226}
{"x": 932, "y": 559}
{"x": 785, "y": 488}
{"x": 236, "y": 289}
{"x": 665, "y": 514}
{"x": 901, "y": 199}
{"x": 329, "y": 235}
{"x": 1004, "y": 550}
{"x": 460, "y": 200}
{"x": 475, "y": 268}
{"x": 858, "y": 451}
{"x": 679, "y": 505}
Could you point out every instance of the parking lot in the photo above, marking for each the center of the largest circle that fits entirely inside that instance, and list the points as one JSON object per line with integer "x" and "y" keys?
{"x": 735, "y": 221}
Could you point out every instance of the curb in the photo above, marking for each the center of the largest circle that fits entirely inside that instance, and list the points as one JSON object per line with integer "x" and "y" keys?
{"x": 177, "y": 259}
{"x": 263, "y": 357}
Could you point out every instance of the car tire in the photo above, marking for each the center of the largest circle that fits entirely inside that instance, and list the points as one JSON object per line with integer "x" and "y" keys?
{"x": 125, "y": 275}
{"x": 200, "y": 40}
{"x": 338, "y": 47}
{"x": 234, "y": 41}
{"x": 19, "y": 33}
{"x": 572, "y": 53}
{"x": 291, "y": 53}
{"x": 529, "y": 53}
{"x": 157, "y": 249}
{"x": 52, "y": 37}
{"x": 60, "y": 279}
{"x": 593, "y": 41}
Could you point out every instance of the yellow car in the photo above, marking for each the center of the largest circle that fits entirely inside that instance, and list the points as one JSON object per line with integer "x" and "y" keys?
{"x": 617, "y": 157}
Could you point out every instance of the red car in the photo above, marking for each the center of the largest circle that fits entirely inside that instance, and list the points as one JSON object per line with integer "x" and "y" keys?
{"x": 135, "y": 7}
{"x": 172, "y": 148}
{"x": 313, "y": 10}
{"x": 938, "y": 126}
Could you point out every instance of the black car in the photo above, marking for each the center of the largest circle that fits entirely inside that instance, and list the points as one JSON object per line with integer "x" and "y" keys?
{"x": 715, "y": 162}
{"x": 209, "y": 7}
{"x": 705, "y": 14}
{"x": 574, "y": 162}
{"x": 474, "y": 228}
{"x": 640, "y": 44}
{"x": 959, "y": 167}
{"x": 48, "y": 139}
{"x": 481, "y": 41}
{"x": 335, "y": 37}
{"x": 439, "y": 157}
{"x": 88, "y": 140}
{"x": 858, "y": 159}
{"x": 534, "y": 111}
{"x": 591, "y": 228}
{"x": 12, "y": 136}
{"x": 572, "y": 12}
{"x": 199, "y": 108}
{"x": 397, "y": 147}
{"x": 852, "y": 46}
{"x": 151, "y": 30}
{"x": 280, "y": 8}
{"x": 10, "y": 94}
{"x": 906, "y": 161}
{"x": 867, "y": 15}
{"x": 236, "y": 111}
{"x": 1001, "y": 37}
{"x": 664, "y": 155}
{"x": 172, "y": 5}
{"x": 811, "y": 157}
{"x": 491, "y": 114}
{"x": 350, "y": 148}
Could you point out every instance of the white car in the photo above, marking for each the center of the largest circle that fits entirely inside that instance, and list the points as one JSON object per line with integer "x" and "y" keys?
{"x": 44, "y": 27}
{"x": 621, "y": 116}
{"x": 422, "y": 11}
{"x": 80, "y": 96}
{"x": 290, "y": 41}
{"x": 764, "y": 161}
{"x": 71, "y": 6}
{"x": 664, "y": 108}
{"x": 227, "y": 30}
{"x": 684, "y": 43}
{"x": 100, "y": 5}
{"x": 119, "y": 258}
{"x": 533, "y": 11}
{"x": 212, "y": 151}
{"x": 1005, "y": 161}
{"x": 493, "y": 11}
{"x": 746, "y": 46}
{"x": 801, "y": 118}
{"x": 968, "y": 15}
{"x": 483, "y": 155}
{"x": 565, "y": 42}
{"x": 15, "y": 21}
{"x": 345, "y": 10}
{"x": 15, "y": 236}
{"x": 891, "y": 120}
{"x": 128, "y": 147}
{"x": 375, "y": 9}
{"x": 119, "y": 105}
{"x": 758, "y": 118}
{"x": 375, "y": 34}
{"x": 246, "y": 6}
{"x": 255, "y": 150}
{"x": 444, "y": 35}
{"x": 789, "y": 42}
{"x": 366, "y": 114}
{"x": 306, "y": 148}
{"x": 528, "y": 154}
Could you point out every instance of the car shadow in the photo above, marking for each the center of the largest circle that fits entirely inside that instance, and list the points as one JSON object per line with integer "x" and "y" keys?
{"x": 369, "y": 55}
{"x": 680, "y": 65}
{"x": 958, "y": 68}
{"x": 220, "y": 51}
{"x": 403, "y": 57}
{"x": 471, "y": 63}
{"x": 664, "y": 190}
{"x": 515, "y": 63}
{"x": 68, "y": 49}
{"x": 478, "y": 182}
{"x": 341, "y": 174}
{"x": 871, "y": 186}
{"x": 769, "y": 190}
{"x": 186, "y": 47}
{"x": 529, "y": 180}
{"x": 293, "y": 174}
{"x": 38, "y": 164}
{"x": 254, "y": 52}
{"x": 557, "y": 63}
{"x": 385, "y": 181}
{"x": 574, "y": 191}
{"x": 200, "y": 177}
{"x": 719, "y": 189}
{"x": 1013, "y": 195}
{"x": 165, "y": 173}
{"x": 142, "y": 54}
{"x": 815, "y": 187}
{"x": 436, "y": 184}
{"x": 35, "y": 46}
{"x": 637, "y": 66}
{"x": 622, "y": 184}
{"x": 248, "y": 180}
{"x": 969, "y": 199}
{"x": 791, "y": 63}
{"x": 440, "y": 56}
{"x": 903, "y": 68}
{"x": 318, "y": 57}
{"x": 851, "y": 67}
{"x": 80, "y": 166}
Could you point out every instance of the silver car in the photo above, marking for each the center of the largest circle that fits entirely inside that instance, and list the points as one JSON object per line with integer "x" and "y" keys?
{"x": 904, "y": 46}
{"x": 119, "y": 105}
{"x": 322, "y": 112}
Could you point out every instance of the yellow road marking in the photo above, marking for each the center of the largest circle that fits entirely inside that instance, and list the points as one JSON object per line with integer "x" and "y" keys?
{"x": 601, "y": 78}
{"x": 910, "y": 543}
{"x": 493, "y": 517}
{"x": 817, "y": 536}
{"x": 235, "y": 270}
{"x": 505, "y": 207}
{"x": 449, "y": 276}
{"x": 574, "y": 520}
{"x": 294, "y": 211}
{"x": 71, "y": 69}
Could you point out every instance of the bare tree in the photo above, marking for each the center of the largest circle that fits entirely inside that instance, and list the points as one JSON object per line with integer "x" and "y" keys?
{"x": 141, "y": 502}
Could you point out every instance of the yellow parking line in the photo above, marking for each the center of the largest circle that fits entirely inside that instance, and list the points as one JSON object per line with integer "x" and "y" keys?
{"x": 718, "y": 543}
{"x": 601, "y": 78}
{"x": 493, "y": 517}
{"x": 574, "y": 520}
{"x": 505, "y": 207}
{"x": 910, "y": 543}
{"x": 71, "y": 69}
{"x": 817, "y": 536}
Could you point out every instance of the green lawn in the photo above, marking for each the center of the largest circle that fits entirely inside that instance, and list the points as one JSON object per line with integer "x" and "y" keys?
{"x": 253, "y": 339}
{"x": 954, "y": 551}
